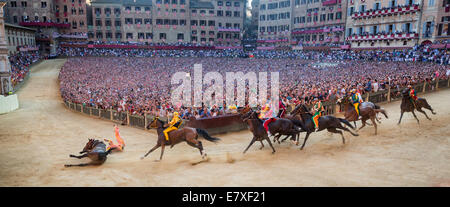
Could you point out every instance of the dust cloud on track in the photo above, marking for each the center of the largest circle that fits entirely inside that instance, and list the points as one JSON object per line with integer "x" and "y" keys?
{"x": 36, "y": 141}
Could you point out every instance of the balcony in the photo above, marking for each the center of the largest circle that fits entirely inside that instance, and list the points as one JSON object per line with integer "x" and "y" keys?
{"x": 90, "y": 27}
{"x": 386, "y": 11}
{"x": 372, "y": 37}
{"x": 224, "y": 29}
{"x": 312, "y": 31}
{"x": 329, "y": 2}
{"x": 108, "y": 27}
{"x": 44, "y": 24}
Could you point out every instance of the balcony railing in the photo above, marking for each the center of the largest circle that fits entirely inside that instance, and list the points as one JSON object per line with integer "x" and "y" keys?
{"x": 311, "y": 31}
{"x": 386, "y": 11}
{"x": 371, "y": 37}
{"x": 44, "y": 24}
{"x": 223, "y": 29}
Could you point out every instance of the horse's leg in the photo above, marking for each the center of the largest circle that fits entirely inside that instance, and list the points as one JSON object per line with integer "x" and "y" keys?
{"x": 374, "y": 124}
{"x": 415, "y": 116}
{"x": 401, "y": 115}
{"x": 79, "y": 165}
{"x": 306, "y": 138}
{"x": 198, "y": 145}
{"x": 334, "y": 130}
{"x": 347, "y": 130}
{"x": 262, "y": 145}
{"x": 151, "y": 150}
{"x": 163, "y": 145}
{"x": 253, "y": 140}
{"x": 363, "y": 120}
{"x": 423, "y": 112}
{"x": 354, "y": 122}
{"x": 268, "y": 140}
{"x": 79, "y": 157}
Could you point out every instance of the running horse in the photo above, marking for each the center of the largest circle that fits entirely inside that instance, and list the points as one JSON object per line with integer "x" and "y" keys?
{"x": 328, "y": 122}
{"x": 408, "y": 106}
{"x": 95, "y": 150}
{"x": 367, "y": 110}
{"x": 256, "y": 127}
{"x": 187, "y": 134}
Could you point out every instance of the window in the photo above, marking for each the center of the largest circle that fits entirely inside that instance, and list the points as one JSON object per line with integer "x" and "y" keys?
{"x": 138, "y": 21}
{"x": 13, "y": 4}
{"x": 108, "y": 23}
{"x": 148, "y": 35}
{"x": 228, "y": 3}
{"x": 43, "y": 4}
{"x": 220, "y": 13}
{"x": 117, "y": 23}
{"x": 118, "y": 36}
{"x": 162, "y": 36}
{"x": 128, "y": 21}
{"x": 138, "y": 9}
{"x": 129, "y": 35}
{"x": 147, "y": 21}
{"x": 24, "y": 3}
{"x": 228, "y": 13}
{"x": 262, "y": 7}
{"x": 180, "y": 36}
{"x": 141, "y": 35}
{"x": 237, "y": 4}
{"x": 237, "y": 14}
{"x": 219, "y": 3}
{"x": 147, "y": 9}
{"x": 182, "y": 22}
{"x": 430, "y": 3}
{"x": 338, "y": 15}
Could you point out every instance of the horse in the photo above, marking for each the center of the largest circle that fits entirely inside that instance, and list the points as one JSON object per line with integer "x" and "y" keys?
{"x": 187, "y": 134}
{"x": 367, "y": 110}
{"x": 281, "y": 126}
{"x": 95, "y": 150}
{"x": 330, "y": 123}
{"x": 408, "y": 106}
{"x": 257, "y": 129}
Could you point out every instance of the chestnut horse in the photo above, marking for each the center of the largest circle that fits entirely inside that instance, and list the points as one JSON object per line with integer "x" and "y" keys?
{"x": 95, "y": 150}
{"x": 187, "y": 134}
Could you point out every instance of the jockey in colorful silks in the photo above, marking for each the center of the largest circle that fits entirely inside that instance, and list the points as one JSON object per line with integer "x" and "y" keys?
{"x": 317, "y": 112}
{"x": 121, "y": 144}
{"x": 269, "y": 114}
{"x": 412, "y": 95}
{"x": 356, "y": 100}
{"x": 173, "y": 125}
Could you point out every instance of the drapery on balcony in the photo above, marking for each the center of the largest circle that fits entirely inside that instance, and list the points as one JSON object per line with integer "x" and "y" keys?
{"x": 386, "y": 11}
{"x": 44, "y": 24}
{"x": 329, "y": 2}
{"x": 223, "y": 29}
{"x": 371, "y": 37}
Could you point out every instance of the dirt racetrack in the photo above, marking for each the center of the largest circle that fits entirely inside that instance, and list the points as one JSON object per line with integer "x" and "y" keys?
{"x": 36, "y": 141}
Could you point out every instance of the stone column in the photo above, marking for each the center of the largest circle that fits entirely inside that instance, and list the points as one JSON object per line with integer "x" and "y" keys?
{"x": 5, "y": 67}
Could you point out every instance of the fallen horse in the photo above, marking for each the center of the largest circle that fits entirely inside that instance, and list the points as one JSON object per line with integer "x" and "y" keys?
{"x": 95, "y": 150}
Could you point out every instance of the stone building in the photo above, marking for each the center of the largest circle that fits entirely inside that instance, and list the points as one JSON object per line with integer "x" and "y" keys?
{"x": 19, "y": 38}
{"x": 274, "y": 24}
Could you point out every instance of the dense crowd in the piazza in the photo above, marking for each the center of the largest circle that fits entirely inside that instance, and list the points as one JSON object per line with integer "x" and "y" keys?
{"x": 138, "y": 80}
{"x": 20, "y": 65}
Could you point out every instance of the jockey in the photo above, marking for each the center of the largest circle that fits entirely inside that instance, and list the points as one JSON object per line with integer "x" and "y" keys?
{"x": 317, "y": 112}
{"x": 412, "y": 95}
{"x": 356, "y": 100}
{"x": 121, "y": 144}
{"x": 269, "y": 113}
{"x": 173, "y": 125}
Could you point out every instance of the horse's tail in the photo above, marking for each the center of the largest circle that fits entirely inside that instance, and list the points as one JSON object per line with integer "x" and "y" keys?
{"x": 346, "y": 123}
{"x": 382, "y": 111}
{"x": 205, "y": 135}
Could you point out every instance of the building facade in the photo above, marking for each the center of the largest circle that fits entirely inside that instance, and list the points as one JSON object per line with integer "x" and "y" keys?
{"x": 167, "y": 21}
{"x": 274, "y": 23}
{"x": 19, "y": 38}
{"x": 319, "y": 22}
{"x": 393, "y": 24}
{"x": 442, "y": 20}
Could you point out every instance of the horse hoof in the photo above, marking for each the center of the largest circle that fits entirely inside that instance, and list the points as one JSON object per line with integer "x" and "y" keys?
{"x": 142, "y": 158}
{"x": 273, "y": 152}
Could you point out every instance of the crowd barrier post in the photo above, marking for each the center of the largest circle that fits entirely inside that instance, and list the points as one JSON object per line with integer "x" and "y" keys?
{"x": 99, "y": 112}
{"x": 437, "y": 83}
{"x": 90, "y": 111}
{"x": 128, "y": 118}
{"x": 145, "y": 120}
{"x": 424, "y": 86}
{"x": 389, "y": 94}
{"x": 448, "y": 83}
{"x": 81, "y": 108}
{"x": 111, "y": 113}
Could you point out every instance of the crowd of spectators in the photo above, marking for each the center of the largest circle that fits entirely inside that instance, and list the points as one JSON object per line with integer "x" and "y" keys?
{"x": 20, "y": 65}
{"x": 139, "y": 80}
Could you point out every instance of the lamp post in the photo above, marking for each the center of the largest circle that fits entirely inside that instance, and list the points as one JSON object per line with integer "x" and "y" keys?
{"x": 5, "y": 67}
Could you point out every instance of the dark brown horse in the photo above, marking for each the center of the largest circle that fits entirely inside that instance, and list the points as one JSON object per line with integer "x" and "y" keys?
{"x": 256, "y": 127}
{"x": 187, "y": 134}
{"x": 367, "y": 110}
{"x": 408, "y": 106}
{"x": 330, "y": 123}
{"x": 95, "y": 150}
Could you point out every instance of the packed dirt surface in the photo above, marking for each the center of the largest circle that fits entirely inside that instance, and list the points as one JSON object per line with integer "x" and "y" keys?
{"x": 36, "y": 141}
